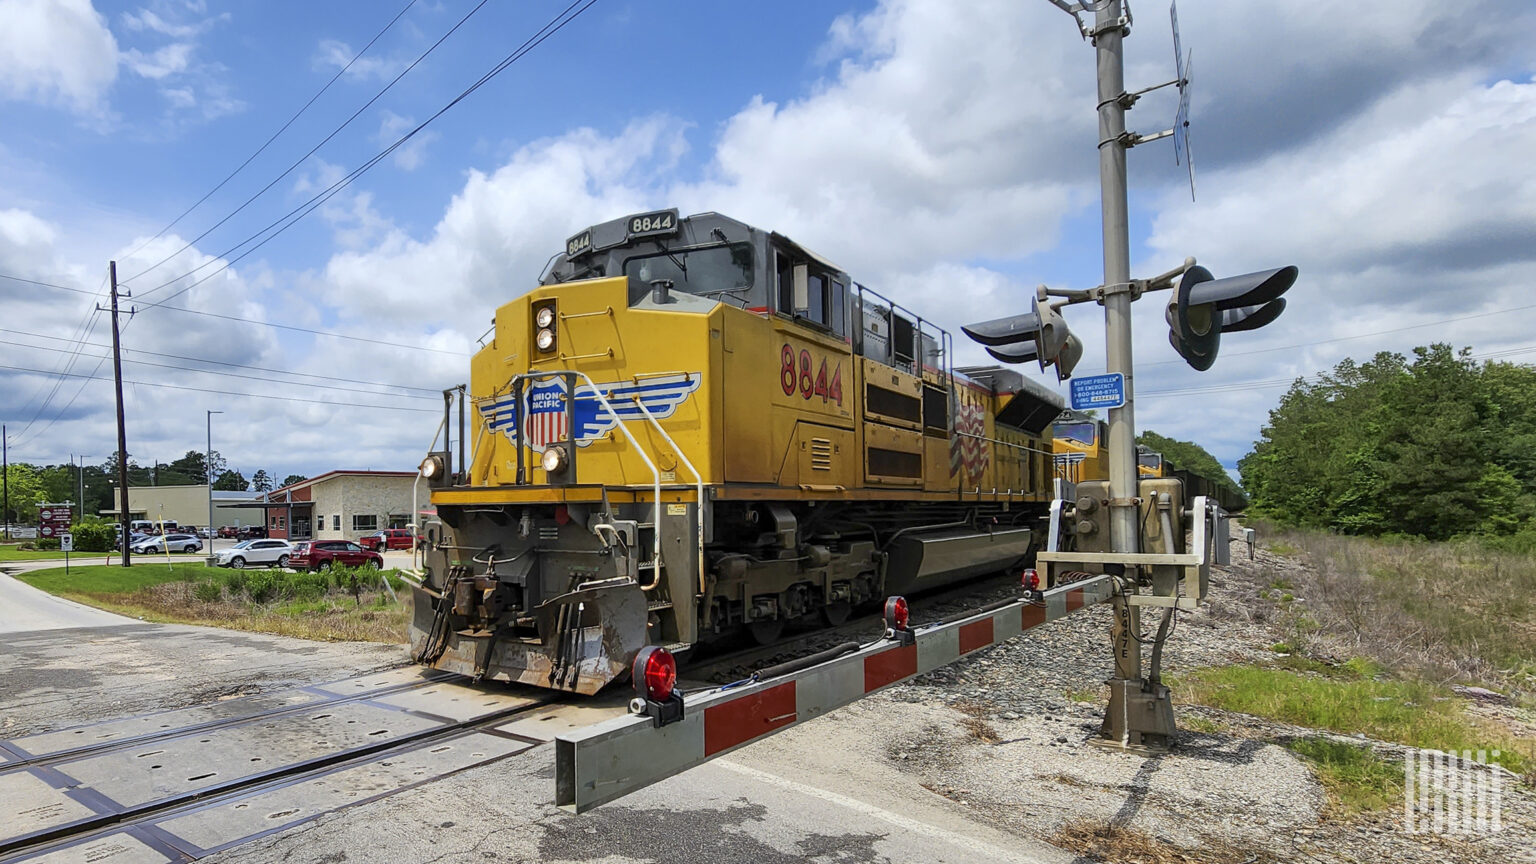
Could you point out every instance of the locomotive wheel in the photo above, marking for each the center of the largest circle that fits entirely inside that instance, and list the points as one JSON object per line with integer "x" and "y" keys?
{"x": 836, "y": 613}
{"x": 764, "y": 632}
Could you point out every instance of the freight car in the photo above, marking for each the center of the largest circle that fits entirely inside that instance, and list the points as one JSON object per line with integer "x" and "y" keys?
{"x": 694, "y": 428}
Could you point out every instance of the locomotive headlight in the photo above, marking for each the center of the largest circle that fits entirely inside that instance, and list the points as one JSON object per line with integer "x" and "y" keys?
{"x": 546, "y": 337}
{"x": 431, "y": 467}
{"x": 544, "y": 317}
{"x": 554, "y": 459}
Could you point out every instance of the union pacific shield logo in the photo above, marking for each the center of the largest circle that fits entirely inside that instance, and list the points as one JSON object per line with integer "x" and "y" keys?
{"x": 544, "y": 408}
{"x": 546, "y": 415}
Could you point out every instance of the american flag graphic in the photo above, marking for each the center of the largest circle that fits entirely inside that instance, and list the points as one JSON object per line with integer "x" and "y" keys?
{"x": 969, "y": 451}
{"x": 546, "y": 416}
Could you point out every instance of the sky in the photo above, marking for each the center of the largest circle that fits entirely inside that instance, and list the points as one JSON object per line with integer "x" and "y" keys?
{"x": 942, "y": 153}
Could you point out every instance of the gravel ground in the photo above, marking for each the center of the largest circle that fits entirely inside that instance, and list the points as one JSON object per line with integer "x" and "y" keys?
{"x": 1004, "y": 733}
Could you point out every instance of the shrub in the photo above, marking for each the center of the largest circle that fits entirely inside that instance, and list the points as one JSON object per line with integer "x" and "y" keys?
{"x": 50, "y": 544}
{"x": 208, "y": 591}
{"x": 263, "y": 585}
{"x": 93, "y": 535}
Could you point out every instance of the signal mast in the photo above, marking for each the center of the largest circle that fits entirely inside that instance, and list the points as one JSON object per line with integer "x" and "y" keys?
{"x": 1140, "y": 713}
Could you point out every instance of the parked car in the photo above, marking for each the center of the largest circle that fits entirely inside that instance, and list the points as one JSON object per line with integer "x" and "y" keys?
{"x": 228, "y": 531}
{"x": 389, "y": 538}
{"x": 187, "y": 543}
{"x": 134, "y": 539}
{"x": 249, "y": 552}
{"x": 323, "y": 554}
{"x": 251, "y": 532}
{"x": 204, "y": 533}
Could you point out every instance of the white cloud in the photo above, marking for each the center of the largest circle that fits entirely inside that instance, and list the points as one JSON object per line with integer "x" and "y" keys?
{"x": 410, "y": 155}
{"x": 336, "y": 53}
{"x": 56, "y": 52}
{"x": 166, "y": 60}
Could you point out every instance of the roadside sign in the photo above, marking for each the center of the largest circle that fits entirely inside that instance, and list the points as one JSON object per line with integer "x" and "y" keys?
{"x": 67, "y": 542}
{"x": 1098, "y": 391}
{"x": 53, "y": 519}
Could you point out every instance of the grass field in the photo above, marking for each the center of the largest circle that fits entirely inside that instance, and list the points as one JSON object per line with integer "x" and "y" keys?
{"x": 342, "y": 605}
{"x": 12, "y": 552}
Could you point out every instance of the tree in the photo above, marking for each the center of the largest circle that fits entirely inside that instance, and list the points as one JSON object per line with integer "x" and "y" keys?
{"x": 294, "y": 478}
{"x": 25, "y": 489}
{"x": 1189, "y": 456}
{"x": 260, "y": 482}
{"x": 230, "y": 481}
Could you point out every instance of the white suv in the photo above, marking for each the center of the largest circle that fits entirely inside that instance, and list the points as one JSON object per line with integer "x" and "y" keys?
{"x": 262, "y": 552}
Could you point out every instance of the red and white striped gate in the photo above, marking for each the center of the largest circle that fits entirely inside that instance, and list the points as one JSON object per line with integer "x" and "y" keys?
{"x": 612, "y": 759}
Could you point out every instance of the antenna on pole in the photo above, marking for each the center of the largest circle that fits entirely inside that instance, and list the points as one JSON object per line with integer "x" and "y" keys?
{"x": 1183, "y": 63}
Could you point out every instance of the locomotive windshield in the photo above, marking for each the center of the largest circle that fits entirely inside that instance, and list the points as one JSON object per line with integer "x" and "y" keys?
{"x": 1083, "y": 433}
{"x": 723, "y": 271}
{"x": 1150, "y": 460}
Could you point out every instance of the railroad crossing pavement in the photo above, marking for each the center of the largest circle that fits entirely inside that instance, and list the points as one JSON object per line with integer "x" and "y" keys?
{"x": 820, "y": 792}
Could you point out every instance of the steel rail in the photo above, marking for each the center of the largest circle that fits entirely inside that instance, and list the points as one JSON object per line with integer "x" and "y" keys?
{"x": 48, "y": 839}
{"x": 28, "y": 760}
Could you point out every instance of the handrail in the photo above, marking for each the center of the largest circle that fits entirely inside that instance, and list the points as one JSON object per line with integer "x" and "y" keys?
{"x": 698, "y": 485}
{"x": 640, "y": 451}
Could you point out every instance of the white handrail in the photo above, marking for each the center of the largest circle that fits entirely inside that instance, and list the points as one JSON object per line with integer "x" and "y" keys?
{"x": 698, "y": 481}
{"x": 655, "y": 474}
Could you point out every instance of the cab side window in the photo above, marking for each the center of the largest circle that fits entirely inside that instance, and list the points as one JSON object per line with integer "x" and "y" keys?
{"x": 812, "y": 294}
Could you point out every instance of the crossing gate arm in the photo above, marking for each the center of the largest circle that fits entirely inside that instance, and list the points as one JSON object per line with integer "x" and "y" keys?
{"x": 611, "y": 759}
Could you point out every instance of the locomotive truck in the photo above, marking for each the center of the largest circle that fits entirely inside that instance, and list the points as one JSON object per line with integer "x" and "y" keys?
{"x": 693, "y": 428}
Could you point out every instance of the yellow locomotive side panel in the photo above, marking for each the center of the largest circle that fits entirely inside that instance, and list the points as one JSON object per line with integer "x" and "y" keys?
{"x": 777, "y": 378}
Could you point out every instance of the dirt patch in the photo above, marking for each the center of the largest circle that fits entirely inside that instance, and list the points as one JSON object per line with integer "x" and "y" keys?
{"x": 1101, "y": 841}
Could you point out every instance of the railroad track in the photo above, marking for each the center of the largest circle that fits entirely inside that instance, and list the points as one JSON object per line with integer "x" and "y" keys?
{"x": 713, "y": 670}
{"x": 179, "y": 785}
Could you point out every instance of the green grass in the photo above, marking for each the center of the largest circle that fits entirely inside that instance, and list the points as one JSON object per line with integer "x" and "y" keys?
{"x": 1356, "y": 778}
{"x": 10, "y": 552}
{"x": 103, "y": 580}
{"x": 1349, "y": 699}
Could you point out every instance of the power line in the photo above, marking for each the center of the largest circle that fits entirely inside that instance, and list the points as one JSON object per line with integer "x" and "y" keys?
{"x": 280, "y": 131}
{"x": 291, "y": 327}
{"x": 217, "y": 362}
{"x": 227, "y": 392}
{"x": 312, "y": 150}
{"x": 82, "y": 330}
{"x": 225, "y": 374}
{"x": 286, "y": 221}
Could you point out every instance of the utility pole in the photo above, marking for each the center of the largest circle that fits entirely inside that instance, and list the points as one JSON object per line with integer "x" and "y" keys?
{"x": 5, "y": 471}
{"x": 80, "y": 475}
{"x": 208, "y": 475}
{"x": 122, "y": 429}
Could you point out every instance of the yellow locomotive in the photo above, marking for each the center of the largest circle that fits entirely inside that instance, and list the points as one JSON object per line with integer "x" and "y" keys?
{"x": 694, "y": 427}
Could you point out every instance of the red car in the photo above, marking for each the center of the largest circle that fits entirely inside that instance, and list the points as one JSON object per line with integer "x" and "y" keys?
{"x": 323, "y": 554}
{"x": 389, "y": 538}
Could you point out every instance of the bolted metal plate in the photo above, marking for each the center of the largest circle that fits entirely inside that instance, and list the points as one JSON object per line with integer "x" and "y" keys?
{"x": 234, "y": 822}
{"x": 546, "y": 723}
{"x": 164, "y": 769}
{"x": 457, "y": 702}
{"x": 48, "y": 743}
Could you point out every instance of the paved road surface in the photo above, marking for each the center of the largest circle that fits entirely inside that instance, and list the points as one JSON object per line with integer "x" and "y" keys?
{"x": 24, "y": 608}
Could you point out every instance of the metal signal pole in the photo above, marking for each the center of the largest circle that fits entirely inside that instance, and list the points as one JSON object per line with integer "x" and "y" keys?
{"x": 122, "y": 429}
{"x": 1129, "y": 693}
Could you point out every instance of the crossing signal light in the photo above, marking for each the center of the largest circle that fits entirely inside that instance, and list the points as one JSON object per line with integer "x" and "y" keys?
{"x": 1040, "y": 335}
{"x": 1203, "y": 306}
